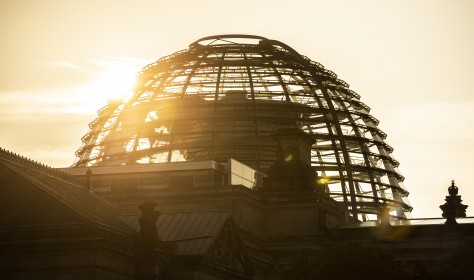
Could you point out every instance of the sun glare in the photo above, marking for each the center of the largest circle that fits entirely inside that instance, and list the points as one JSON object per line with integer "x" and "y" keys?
{"x": 114, "y": 81}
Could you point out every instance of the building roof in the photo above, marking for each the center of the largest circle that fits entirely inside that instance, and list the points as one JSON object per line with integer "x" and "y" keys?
{"x": 413, "y": 222}
{"x": 192, "y": 232}
{"x": 69, "y": 192}
{"x": 209, "y": 235}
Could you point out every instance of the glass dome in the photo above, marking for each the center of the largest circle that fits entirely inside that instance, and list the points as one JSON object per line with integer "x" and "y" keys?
{"x": 226, "y": 96}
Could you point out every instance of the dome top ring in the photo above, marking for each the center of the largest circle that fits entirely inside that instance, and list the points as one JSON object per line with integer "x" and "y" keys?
{"x": 228, "y": 39}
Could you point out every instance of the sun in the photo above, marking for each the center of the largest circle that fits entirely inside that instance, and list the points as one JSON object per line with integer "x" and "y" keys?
{"x": 116, "y": 80}
{"x": 113, "y": 80}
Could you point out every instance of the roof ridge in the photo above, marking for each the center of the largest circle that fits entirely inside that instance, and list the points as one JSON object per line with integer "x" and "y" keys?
{"x": 38, "y": 166}
{"x": 196, "y": 212}
{"x": 197, "y": 237}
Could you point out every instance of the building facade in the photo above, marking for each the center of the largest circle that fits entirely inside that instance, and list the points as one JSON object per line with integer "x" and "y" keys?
{"x": 231, "y": 159}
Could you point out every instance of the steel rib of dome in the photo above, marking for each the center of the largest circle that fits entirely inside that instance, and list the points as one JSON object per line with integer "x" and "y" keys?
{"x": 226, "y": 96}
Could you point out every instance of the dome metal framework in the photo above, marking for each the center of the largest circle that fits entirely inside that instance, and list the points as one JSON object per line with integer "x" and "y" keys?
{"x": 226, "y": 95}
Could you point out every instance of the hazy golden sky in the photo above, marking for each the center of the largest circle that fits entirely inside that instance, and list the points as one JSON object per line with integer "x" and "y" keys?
{"x": 411, "y": 61}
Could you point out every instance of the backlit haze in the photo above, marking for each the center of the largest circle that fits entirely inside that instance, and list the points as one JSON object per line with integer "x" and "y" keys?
{"x": 412, "y": 62}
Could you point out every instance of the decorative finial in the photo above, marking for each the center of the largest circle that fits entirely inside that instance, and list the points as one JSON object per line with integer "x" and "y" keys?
{"x": 453, "y": 208}
{"x": 453, "y": 190}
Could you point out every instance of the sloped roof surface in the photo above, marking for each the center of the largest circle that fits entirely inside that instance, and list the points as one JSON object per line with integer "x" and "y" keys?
{"x": 65, "y": 189}
{"x": 193, "y": 232}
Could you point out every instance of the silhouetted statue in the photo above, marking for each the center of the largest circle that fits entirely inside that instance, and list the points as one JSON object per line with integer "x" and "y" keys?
{"x": 258, "y": 183}
{"x": 322, "y": 227}
{"x": 89, "y": 179}
{"x": 384, "y": 216}
{"x": 147, "y": 221}
{"x": 453, "y": 208}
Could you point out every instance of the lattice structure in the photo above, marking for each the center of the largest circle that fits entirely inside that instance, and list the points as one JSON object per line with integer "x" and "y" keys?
{"x": 226, "y": 95}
